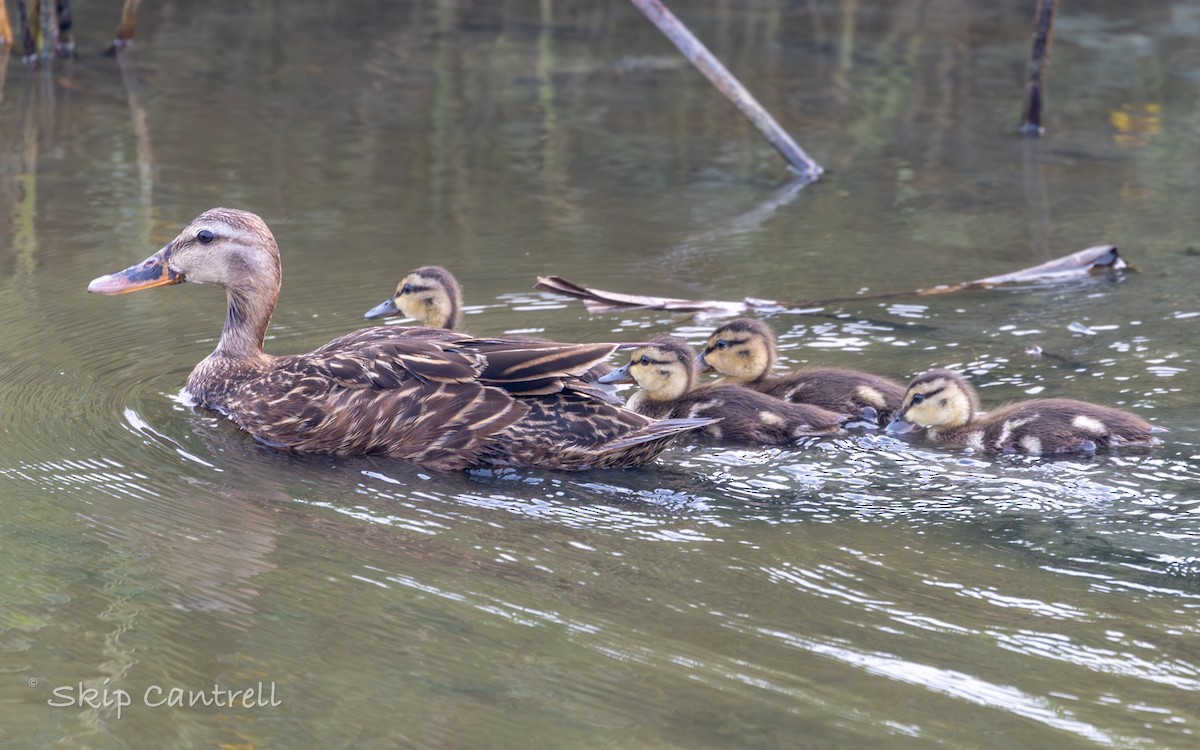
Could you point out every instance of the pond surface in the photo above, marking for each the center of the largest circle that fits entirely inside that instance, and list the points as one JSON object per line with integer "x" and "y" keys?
{"x": 865, "y": 591}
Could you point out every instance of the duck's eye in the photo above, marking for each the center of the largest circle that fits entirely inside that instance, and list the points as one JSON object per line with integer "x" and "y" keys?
{"x": 645, "y": 360}
{"x": 204, "y": 236}
{"x": 721, "y": 344}
{"x": 406, "y": 289}
{"x": 918, "y": 398}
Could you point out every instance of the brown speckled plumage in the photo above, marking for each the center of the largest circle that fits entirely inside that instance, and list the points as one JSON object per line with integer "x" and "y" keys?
{"x": 665, "y": 368}
{"x": 743, "y": 350}
{"x": 435, "y": 397}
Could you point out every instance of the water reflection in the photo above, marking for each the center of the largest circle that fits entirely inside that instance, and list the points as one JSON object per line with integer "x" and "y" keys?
{"x": 858, "y": 591}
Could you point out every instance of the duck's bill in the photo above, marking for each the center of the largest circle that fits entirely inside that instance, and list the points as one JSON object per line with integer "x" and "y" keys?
{"x": 153, "y": 271}
{"x": 702, "y": 364}
{"x": 382, "y": 310}
{"x": 900, "y": 426}
{"x": 619, "y": 375}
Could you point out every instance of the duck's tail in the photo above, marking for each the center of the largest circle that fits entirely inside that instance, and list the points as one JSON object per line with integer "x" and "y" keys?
{"x": 642, "y": 445}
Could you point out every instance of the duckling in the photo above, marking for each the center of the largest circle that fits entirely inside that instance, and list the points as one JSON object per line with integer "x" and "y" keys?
{"x": 441, "y": 399}
{"x": 944, "y": 402}
{"x": 743, "y": 351}
{"x": 430, "y": 294}
{"x": 665, "y": 368}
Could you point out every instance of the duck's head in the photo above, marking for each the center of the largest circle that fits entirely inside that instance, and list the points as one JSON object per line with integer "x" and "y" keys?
{"x": 939, "y": 399}
{"x": 223, "y": 246}
{"x": 430, "y": 294}
{"x": 665, "y": 368}
{"x": 742, "y": 350}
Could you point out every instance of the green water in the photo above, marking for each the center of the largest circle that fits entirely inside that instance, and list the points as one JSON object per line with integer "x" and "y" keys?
{"x": 866, "y": 591}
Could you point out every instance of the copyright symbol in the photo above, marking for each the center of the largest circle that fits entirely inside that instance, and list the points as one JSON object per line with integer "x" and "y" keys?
{"x": 33, "y": 682}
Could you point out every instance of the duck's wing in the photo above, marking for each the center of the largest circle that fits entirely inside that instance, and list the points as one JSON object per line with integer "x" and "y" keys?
{"x": 538, "y": 368}
{"x": 406, "y": 396}
{"x": 430, "y": 396}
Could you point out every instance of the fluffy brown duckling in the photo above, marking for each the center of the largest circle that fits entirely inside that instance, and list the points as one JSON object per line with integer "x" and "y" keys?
{"x": 665, "y": 368}
{"x": 430, "y": 294}
{"x": 743, "y": 352}
{"x": 943, "y": 402}
{"x": 435, "y": 397}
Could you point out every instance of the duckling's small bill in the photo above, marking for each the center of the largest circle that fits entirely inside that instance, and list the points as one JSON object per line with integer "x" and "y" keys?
{"x": 619, "y": 375}
{"x": 384, "y": 309}
{"x": 900, "y": 426}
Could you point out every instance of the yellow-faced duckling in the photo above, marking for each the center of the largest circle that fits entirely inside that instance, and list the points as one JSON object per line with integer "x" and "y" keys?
{"x": 665, "y": 368}
{"x": 430, "y": 294}
{"x": 943, "y": 402}
{"x": 743, "y": 351}
{"x": 441, "y": 399}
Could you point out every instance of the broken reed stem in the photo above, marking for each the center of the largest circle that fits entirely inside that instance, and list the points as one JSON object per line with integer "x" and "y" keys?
{"x": 1043, "y": 29}
{"x": 696, "y": 53}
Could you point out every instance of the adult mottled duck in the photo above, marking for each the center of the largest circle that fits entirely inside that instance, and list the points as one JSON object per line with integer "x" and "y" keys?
{"x": 435, "y": 397}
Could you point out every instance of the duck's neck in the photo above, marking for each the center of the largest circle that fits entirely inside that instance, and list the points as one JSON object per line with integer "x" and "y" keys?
{"x": 246, "y": 322}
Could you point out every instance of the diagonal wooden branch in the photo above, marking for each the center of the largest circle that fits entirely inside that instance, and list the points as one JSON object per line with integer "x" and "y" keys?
{"x": 1102, "y": 258}
{"x": 695, "y": 51}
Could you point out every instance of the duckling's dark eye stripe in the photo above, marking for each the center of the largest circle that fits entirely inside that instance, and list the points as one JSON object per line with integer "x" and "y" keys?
{"x": 929, "y": 394}
{"x": 413, "y": 289}
{"x": 728, "y": 343}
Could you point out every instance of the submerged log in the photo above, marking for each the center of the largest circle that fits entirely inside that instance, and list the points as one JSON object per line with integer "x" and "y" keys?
{"x": 1102, "y": 258}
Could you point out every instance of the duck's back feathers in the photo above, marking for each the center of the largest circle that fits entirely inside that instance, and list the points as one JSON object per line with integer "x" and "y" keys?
{"x": 945, "y": 403}
{"x": 445, "y": 401}
{"x": 1052, "y": 425}
{"x": 848, "y": 391}
{"x": 745, "y": 416}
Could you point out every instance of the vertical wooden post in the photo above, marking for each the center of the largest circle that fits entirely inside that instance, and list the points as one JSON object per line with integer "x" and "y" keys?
{"x": 129, "y": 20}
{"x": 6, "y": 37}
{"x": 1043, "y": 28}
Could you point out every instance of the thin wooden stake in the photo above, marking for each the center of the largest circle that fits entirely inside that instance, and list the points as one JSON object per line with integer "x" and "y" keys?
{"x": 1039, "y": 56}
{"x": 695, "y": 51}
{"x": 6, "y": 35}
{"x": 129, "y": 21}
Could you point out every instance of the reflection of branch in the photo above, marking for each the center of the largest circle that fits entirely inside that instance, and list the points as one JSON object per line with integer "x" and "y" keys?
{"x": 752, "y": 219}
{"x": 141, "y": 131}
{"x": 695, "y": 51}
{"x": 3, "y": 55}
{"x": 1104, "y": 258}
{"x": 1036, "y": 198}
{"x": 25, "y": 213}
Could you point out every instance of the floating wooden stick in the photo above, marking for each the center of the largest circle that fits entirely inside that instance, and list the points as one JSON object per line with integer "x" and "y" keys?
{"x": 1076, "y": 265}
{"x": 1043, "y": 28}
{"x": 695, "y": 51}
